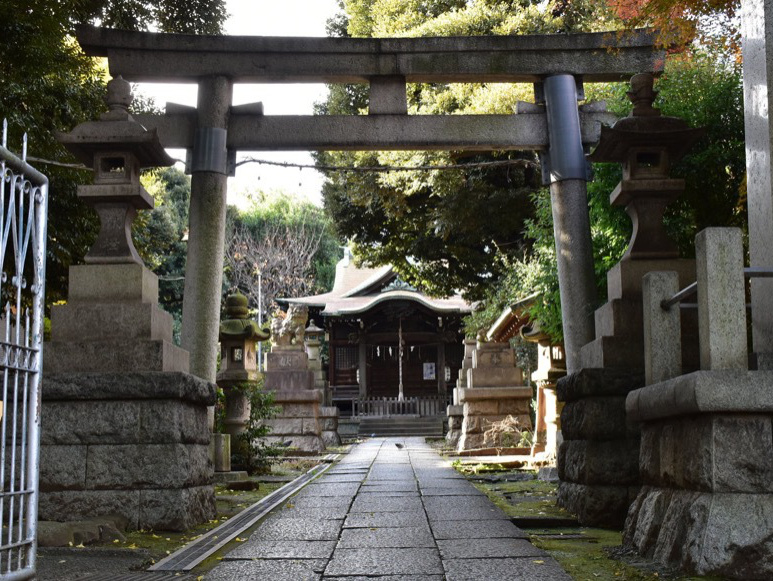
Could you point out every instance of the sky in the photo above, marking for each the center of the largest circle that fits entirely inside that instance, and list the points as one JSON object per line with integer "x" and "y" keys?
{"x": 266, "y": 18}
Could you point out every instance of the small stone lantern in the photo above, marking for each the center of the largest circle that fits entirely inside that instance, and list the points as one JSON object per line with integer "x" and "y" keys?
{"x": 117, "y": 147}
{"x": 238, "y": 365}
{"x": 313, "y": 340}
{"x": 646, "y": 144}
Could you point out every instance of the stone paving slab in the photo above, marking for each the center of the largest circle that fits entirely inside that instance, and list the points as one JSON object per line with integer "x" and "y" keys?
{"x": 384, "y": 561}
{"x": 274, "y": 569}
{"x": 385, "y": 519}
{"x": 318, "y": 501}
{"x": 377, "y": 503}
{"x": 399, "y": 537}
{"x": 455, "y": 512}
{"x": 485, "y": 529}
{"x": 504, "y": 569}
{"x": 283, "y": 550}
{"x": 395, "y": 486}
{"x": 487, "y": 548}
{"x": 391, "y": 514}
{"x": 299, "y": 529}
{"x": 332, "y": 478}
{"x": 332, "y": 489}
{"x": 390, "y": 578}
{"x": 316, "y": 513}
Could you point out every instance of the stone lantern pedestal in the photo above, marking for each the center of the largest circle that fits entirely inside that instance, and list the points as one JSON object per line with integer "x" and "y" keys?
{"x": 298, "y": 426}
{"x": 598, "y": 459}
{"x": 124, "y": 425}
{"x": 494, "y": 391}
{"x": 328, "y": 414}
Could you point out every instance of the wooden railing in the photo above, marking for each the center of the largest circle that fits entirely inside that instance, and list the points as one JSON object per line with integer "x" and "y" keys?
{"x": 385, "y": 407}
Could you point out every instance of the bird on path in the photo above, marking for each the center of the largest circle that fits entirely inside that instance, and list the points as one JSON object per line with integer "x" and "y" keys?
{"x": 399, "y": 446}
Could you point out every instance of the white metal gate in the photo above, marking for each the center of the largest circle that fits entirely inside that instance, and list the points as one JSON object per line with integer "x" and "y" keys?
{"x": 23, "y": 209}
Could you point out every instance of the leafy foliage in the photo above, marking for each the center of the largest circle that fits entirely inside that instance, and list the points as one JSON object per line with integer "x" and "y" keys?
{"x": 442, "y": 230}
{"x": 47, "y": 85}
{"x": 251, "y": 451}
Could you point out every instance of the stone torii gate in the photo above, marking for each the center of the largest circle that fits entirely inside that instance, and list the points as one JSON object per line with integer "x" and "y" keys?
{"x": 558, "y": 65}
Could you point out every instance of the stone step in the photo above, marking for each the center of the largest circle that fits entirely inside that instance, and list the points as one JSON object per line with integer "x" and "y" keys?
{"x": 401, "y": 426}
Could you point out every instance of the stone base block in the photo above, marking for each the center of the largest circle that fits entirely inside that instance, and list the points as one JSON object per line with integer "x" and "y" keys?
{"x": 597, "y": 505}
{"x": 135, "y": 444}
{"x": 727, "y": 534}
{"x": 298, "y": 426}
{"x": 328, "y": 422}
{"x": 613, "y": 352}
{"x": 112, "y": 283}
{"x": 169, "y": 509}
{"x": 86, "y": 321}
{"x": 596, "y": 418}
{"x": 494, "y": 377}
{"x": 289, "y": 380}
{"x": 124, "y": 466}
{"x": 482, "y": 407}
{"x": 624, "y": 278}
{"x": 599, "y": 463}
{"x": 114, "y": 356}
{"x": 597, "y": 382}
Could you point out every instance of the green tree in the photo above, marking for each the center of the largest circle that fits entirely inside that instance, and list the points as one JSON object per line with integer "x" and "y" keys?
{"x": 47, "y": 85}
{"x": 159, "y": 236}
{"x": 706, "y": 90}
{"x": 442, "y": 230}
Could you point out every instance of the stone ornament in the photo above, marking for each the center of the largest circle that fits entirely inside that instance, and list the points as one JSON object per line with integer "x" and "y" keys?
{"x": 288, "y": 329}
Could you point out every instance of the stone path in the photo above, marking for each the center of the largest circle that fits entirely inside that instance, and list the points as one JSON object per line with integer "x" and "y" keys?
{"x": 392, "y": 513}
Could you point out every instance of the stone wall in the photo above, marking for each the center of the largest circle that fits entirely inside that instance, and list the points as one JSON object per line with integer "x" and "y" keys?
{"x": 135, "y": 444}
{"x": 598, "y": 459}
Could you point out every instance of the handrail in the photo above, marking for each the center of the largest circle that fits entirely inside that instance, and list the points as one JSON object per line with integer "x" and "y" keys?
{"x": 690, "y": 289}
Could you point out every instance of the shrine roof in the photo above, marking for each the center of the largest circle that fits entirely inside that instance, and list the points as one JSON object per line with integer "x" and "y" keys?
{"x": 359, "y": 288}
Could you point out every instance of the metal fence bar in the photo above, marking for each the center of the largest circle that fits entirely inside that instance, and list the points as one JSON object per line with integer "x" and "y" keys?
{"x": 690, "y": 289}
{"x": 23, "y": 213}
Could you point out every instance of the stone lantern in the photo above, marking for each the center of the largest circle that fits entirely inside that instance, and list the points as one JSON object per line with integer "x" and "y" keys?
{"x": 646, "y": 144}
{"x": 117, "y": 147}
{"x": 239, "y": 336}
{"x": 313, "y": 340}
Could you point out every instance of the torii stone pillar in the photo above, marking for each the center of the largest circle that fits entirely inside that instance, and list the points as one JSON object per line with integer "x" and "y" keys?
{"x": 568, "y": 175}
{"x": 206, "y": 227}
{"x": 757, "y": 28}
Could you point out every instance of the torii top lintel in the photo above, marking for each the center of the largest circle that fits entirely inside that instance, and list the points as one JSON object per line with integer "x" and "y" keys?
{"x": 158, "y": 57}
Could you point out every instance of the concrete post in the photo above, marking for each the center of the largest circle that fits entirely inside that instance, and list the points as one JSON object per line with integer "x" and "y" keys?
{"x": 721, "y": 299}
{"x": 571, "y": 224}
{"x": 662, "y": 328}
{"x": 757, "y": 29}
{"x": 206, "y": 228}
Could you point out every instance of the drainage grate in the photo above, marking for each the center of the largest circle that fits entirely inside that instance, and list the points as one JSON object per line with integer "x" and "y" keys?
{"x": 140, "y": 576}
{"x": 195, "y": 552}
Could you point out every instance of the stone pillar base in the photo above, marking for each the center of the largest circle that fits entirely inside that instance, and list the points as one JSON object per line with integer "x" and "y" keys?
{"x": 455, "y": 414}
{"x": 298, "y": 426}
{"x": 135, "y": 444}
{"x": 486, "y": 405}
{"x": 328, "y": 419}
{"x": 707, "y": 465}
{"x": 598, "y": 459}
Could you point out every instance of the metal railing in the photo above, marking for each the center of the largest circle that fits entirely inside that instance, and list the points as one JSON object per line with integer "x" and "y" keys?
{"x": 23, "y": 210}
{"x": 691, "y": 289}
{"x": 385, "y": 407}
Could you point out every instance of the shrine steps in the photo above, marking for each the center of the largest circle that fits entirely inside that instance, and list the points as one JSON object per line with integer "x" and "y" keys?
{"x": 402, "y": 426}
